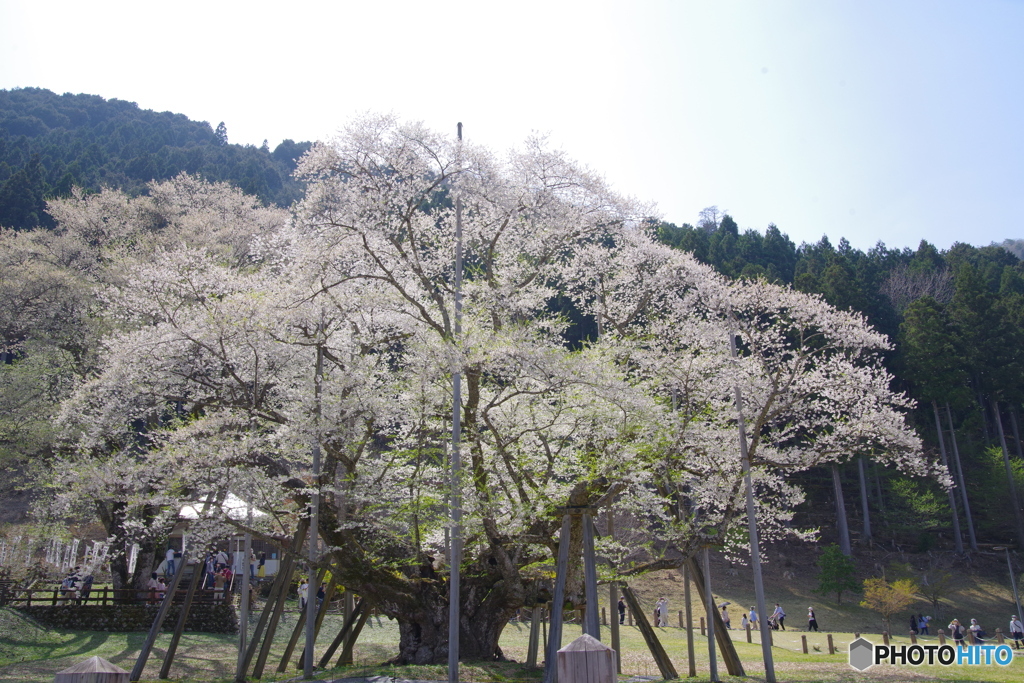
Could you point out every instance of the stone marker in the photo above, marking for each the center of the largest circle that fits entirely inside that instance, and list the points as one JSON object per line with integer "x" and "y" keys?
{"x": 93, "y": 670}
{"x": 587, "y": 660}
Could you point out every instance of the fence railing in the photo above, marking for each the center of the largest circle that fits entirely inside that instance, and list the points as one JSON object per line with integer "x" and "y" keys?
{"x": 101, "y": 596}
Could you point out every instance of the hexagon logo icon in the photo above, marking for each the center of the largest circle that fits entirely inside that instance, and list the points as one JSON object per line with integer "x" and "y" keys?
{"x": 862, "y": 654}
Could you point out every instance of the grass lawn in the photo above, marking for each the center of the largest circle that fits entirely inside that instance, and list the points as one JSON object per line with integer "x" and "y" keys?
{"x": 30, "y": 654}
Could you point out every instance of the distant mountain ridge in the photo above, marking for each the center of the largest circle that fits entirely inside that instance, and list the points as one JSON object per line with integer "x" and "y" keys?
{"x": 50, "y": 142}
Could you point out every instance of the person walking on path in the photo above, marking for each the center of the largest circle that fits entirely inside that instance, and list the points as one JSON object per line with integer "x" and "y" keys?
{"x": 622, "y": 610}
{"x": 812, "y": 623}
{"x": 169, "y": 569}
{"x": 779, "y": 617}
{"x": 744, "y": 623}
{"x": 303, "y": 594}
{"x": 1016, "y": 632}
{"x": 922, "y": 625}
{"x": 725, "y": 618}
{"x": 753, "y": 617}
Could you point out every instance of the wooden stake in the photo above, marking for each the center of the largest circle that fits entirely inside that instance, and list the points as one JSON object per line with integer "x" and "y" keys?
{"x": 668, "y": 672}
{"x": 360, "y": 607}
{"x": 189, "y": 596}
{"x": 831, "y": 645}
{"x": 158, "y": 622}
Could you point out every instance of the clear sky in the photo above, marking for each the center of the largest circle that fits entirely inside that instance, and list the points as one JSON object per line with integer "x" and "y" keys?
{"x": 873, "y": 120}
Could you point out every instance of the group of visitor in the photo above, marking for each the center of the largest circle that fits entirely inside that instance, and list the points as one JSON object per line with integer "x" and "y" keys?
{"x": 75, "y": 587}
{"x": 957, "y": 632}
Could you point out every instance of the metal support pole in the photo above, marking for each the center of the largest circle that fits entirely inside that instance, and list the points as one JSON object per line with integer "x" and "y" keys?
{"x": 755, "y": 546}
{"x": 557, "y": 603}
{"x": 454, "y": 584}
{"x": 592, "y": 625}
{"x": 314, "y": 523}
{"x": 711, "y": 608}
{"x": 243, "y": 609}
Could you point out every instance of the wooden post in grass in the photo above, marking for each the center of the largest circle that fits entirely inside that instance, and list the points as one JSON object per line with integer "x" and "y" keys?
{"x": 691, "y": 659}
{"x": 913, "y": 637}
{"x": 300, "y": 623}
{"x": 557, "y": 603}
{"x": 942, "y": 637}
{"x": 668, "y": 672}
{"x": 725, "y": 645}
{"x": 885, "y": 638}
{"x": 831, "y": 645}
{"x": 803, "y": 643}
{"x": 702, "y": 628}
{"x": 680, "y": 618}
{"x": 613, "y": 602}
{"x": 158, "y": 622}
{"x": 999, "y": 636}
{"x": 328, "y": 596}
{"x": 350, "y": 640}
{"x": 275, "y": 618}
{"x": 360, "y": 608}
{"x": 748, "y": 633}
{"x": 531, "y": 650}
{"x": 279, "y": 587}
{"x": 197, "y": 573}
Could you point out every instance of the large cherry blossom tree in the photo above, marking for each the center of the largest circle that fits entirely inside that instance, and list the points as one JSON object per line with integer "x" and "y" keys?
{"x": 218, "y": 345}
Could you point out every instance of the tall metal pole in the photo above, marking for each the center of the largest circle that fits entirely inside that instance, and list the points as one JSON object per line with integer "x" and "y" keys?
{"x": 1013, "y": 583}
{"x": 709, "y": 604}
{"x": 243, "y": 617}
{"x": 591, "y": 622}
{"x": 454, "y": 584}
{"x": 314, "y": 521}
{"x": 755, "y": 545}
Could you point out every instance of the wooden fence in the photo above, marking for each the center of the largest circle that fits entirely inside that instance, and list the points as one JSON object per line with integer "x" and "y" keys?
{"x": 17, "y": 597}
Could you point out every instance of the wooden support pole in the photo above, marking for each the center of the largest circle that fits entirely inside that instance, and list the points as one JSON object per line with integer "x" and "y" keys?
{"x": 604, "y": 616}
{"x": 803, "y": 643}
{"x": 158, "y": 622}
{"x": 831, "y": 645}
{"x": 557, "y": 605}
{"x": 297, "y": 631}
{"x": 748, "y": 633}
{"x": 591, "y": 624}
{"x": 197, "y": 573}
{"x": 279, "y": 586}
{"x": 531, "y": 650}
{"x": 690, "y": 653}
{"x": 275, "y": 618}
{"x": 681, "y": 619}
{"x": 321, "y": 613}
{"x": 360, "y": 607}
{"x": 668, "y": 672}
{"x": 613, "y": 600}
{"x": 350, "y": 640}
{"x": 725, "y": 645}
{"x": 703, "y": 630}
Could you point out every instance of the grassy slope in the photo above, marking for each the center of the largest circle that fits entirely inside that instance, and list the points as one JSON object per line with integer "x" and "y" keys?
{"x": 30, "y": 653}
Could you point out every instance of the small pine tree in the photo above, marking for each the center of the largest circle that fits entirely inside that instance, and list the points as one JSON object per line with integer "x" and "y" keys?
{"x": 837, "y": 573}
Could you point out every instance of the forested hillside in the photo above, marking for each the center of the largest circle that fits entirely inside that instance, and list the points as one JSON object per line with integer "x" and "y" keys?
{"x": 50, "y": 142}
{"x": 956, "y": 318}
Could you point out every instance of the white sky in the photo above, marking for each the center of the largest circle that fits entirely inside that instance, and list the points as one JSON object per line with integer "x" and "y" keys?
{"x": 873, "y": 120}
